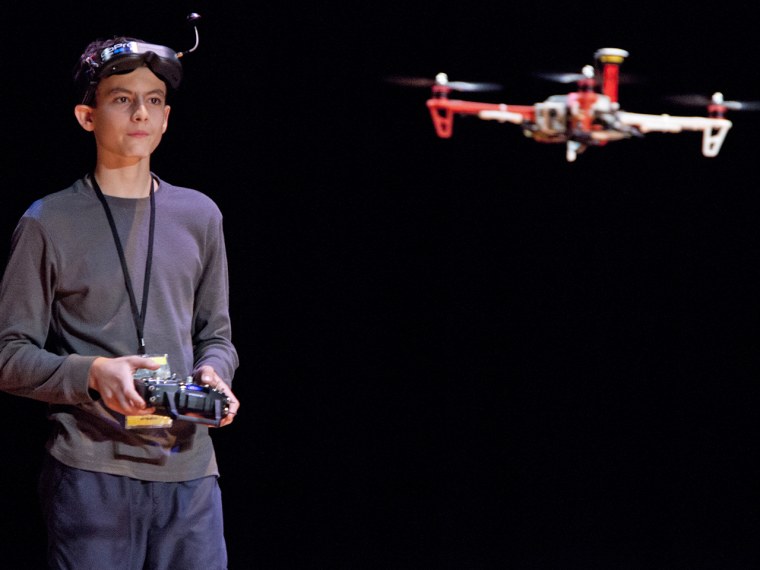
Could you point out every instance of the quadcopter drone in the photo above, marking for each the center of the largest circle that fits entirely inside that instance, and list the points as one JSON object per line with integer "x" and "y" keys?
{"x": 589, "y": 116}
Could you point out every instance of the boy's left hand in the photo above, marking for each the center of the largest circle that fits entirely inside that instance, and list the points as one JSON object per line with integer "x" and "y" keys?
{"x": 206, "y": 375}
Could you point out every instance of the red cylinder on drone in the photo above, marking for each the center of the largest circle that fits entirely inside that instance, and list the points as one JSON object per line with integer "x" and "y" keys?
{"x": 611, "y": 58}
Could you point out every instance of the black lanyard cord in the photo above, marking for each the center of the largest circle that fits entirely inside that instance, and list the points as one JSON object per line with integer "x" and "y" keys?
{"x": 138, "y": 315}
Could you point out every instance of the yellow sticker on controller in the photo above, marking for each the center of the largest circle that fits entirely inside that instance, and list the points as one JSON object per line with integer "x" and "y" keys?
{"x": 147, "y": 421}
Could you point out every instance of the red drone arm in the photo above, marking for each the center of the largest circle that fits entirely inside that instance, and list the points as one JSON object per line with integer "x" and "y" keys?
{"x": 442, "y": 111}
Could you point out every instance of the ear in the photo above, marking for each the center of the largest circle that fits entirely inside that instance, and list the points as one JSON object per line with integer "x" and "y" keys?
{"x": 83, "y": 114}
{"x": 167, "y": 108}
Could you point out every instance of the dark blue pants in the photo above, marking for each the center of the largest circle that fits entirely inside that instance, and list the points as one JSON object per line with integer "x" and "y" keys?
{"x": 97, "y": 521}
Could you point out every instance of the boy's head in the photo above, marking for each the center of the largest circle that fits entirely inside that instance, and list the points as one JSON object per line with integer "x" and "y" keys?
{"x": 102, "y": 58}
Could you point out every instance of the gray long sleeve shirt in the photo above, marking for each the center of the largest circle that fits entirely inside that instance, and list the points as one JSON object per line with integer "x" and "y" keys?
{"x": 64, "y": 302}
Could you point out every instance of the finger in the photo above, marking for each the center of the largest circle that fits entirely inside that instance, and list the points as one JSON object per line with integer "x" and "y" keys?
{"x": 134, "y": 398}
{"x": 216, "y": 383}
{"x": 137, "y": 362}
{"x": 135, "y": 409}
{"x": 123, "y": 406}
{"x": 147, "y": 362}
{"x": 234, "y": 406}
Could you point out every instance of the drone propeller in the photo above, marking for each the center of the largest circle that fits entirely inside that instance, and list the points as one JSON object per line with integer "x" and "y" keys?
{"x": 443, "y": 80}
{"x": 693, "y": 100}
{"x": 560, "y": 77}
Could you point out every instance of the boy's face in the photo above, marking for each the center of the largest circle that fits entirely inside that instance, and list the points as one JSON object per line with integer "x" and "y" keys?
{"x": 129, "y": 118}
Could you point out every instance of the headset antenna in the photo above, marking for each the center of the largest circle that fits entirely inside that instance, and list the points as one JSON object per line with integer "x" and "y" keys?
{"x": 192, "y": 18}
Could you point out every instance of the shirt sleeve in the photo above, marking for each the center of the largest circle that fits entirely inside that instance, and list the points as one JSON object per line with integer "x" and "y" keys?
{"x": 26, "y": 300}
{"x": 212, "y": 334}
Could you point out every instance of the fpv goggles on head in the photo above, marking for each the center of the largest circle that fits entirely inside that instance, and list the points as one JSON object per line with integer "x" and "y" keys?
{"x": 126, "y": 56}
{"x": 129, "y": 54}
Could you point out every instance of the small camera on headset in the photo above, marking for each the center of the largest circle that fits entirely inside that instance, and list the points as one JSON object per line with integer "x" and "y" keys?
{"x": 178, "y": 397}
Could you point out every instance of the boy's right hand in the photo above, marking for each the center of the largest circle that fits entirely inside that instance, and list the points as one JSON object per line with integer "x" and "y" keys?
{"x": 113, "y": 379}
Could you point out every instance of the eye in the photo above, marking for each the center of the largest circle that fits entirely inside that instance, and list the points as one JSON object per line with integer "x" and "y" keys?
{"x": 156, "y": 101}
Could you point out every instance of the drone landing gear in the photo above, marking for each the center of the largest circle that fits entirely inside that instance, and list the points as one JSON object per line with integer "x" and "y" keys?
{"x": 712, "y": 139}
{"x": 443, "y": 120}
{"x": 574, "y": 148}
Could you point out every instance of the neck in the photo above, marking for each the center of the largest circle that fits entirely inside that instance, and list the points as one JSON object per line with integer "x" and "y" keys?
{"x": 124, "y": 183}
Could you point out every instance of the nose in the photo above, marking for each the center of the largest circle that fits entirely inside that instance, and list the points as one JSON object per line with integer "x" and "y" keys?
{"x": 139, "y": 112}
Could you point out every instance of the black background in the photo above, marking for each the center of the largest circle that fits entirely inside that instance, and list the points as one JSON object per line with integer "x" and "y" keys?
{"x": 455, "y": 354}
